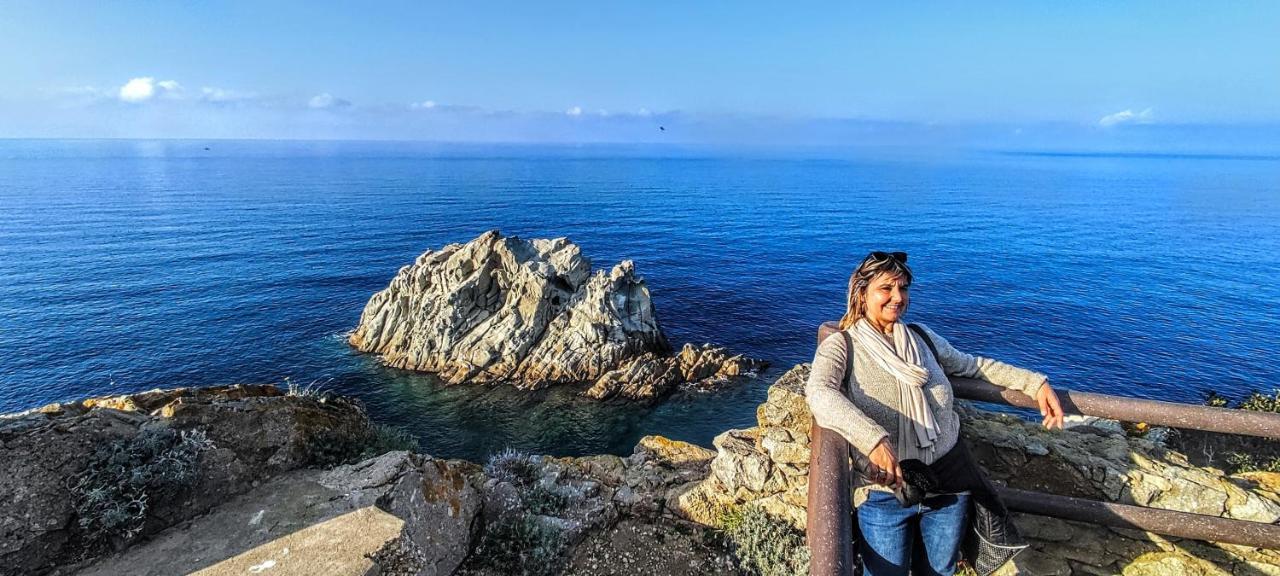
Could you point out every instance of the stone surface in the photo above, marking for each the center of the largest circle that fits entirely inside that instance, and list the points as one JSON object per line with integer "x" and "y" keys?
{"x": 399, "y": 513}
{"x": 532, "y": 313}
{"x": 662, "y": 548}
{"x": 256, "y": 432}
{"x": 651, "y": 376}
{"x": 503, "y": 308}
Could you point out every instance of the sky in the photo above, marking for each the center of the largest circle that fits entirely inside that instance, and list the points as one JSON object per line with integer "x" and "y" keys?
{"x": 651, "y": 71}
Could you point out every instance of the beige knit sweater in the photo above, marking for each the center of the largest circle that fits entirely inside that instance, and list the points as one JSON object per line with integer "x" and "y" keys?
{"x": 869, "y": 413}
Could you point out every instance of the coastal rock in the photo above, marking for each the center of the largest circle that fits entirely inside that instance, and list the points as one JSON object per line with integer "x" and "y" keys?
{"x": 532, "y": 313}
{"x": 399, "y": 513}
{"x": 652, "y": 376}
{"x": 503, "y": 308}
{"x": 249, "y": 433}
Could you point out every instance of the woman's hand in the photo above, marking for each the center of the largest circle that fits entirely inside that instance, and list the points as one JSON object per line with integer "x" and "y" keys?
{"x": 884, "y": 465}
{"x": 1049, "y": 407}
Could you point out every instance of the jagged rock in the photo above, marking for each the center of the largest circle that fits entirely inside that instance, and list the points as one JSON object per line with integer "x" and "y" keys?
{"x": 255, "y": 432}
{"x": 652, "y": 376}
{"x": 502, "y": 308}
{"x": 399, "y": 513}
{"x": 531, "y": 313}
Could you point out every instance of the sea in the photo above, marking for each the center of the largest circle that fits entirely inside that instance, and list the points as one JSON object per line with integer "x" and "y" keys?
{"x": 127, "y": 265}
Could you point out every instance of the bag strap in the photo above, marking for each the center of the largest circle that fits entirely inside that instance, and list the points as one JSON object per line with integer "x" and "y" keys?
{"x": 848, "y": 362}
{"x": 927, "y": 341}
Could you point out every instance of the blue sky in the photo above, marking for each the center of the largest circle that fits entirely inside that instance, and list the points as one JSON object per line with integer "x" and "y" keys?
{"x": 603, "y": 71}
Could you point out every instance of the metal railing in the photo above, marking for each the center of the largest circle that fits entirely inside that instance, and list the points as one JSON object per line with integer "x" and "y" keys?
{"x": 830, "y": 518}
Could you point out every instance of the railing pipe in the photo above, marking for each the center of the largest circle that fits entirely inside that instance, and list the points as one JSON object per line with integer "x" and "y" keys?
{"x": 1167, "y": 522}
{"x": 1153, "y": 412}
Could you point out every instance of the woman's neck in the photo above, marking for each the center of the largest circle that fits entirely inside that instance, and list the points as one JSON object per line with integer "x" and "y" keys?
{"x": 886, "y": 328}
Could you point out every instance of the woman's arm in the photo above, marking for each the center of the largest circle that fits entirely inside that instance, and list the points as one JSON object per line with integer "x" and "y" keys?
{"x": 831, "y": 408}
{"x": 957, "y": 363}
{"x": 1033, "y": 384}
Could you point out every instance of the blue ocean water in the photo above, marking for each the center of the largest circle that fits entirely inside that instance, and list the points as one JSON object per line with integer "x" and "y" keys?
{"x": 129, "y": 265}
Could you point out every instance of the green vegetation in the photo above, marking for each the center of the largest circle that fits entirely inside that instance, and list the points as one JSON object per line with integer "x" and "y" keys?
{"x": 1249, "y": 461}
{"x": 764, "y": 545}
{"x": 512, "y": 466}
{"x": 329, "y": 448}
{"x": 112, "y": 495}
{"x": 521, "y": 541}
{"x": 1243, "y": 462}
{"x": 1259, "y": 402}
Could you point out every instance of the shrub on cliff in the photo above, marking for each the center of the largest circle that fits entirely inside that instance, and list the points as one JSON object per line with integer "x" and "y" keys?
{"x": 112, "y": 495}
{"x": 1239, "y": 453}
{"x": 525, "y": 539}
{"x": 519, "y": 543}
{"x": 764, "y": 545}
{"x": 330, "y": 449}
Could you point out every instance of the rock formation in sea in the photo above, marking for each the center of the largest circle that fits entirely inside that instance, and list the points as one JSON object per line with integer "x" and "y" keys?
{"x": 532, "y": 313}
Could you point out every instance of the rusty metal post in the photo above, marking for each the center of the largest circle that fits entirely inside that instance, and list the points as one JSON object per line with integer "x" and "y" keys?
{"x": 829, "y": 522}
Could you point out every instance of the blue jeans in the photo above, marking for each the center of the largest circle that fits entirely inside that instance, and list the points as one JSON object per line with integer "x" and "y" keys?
{"x": 888, "y": 534}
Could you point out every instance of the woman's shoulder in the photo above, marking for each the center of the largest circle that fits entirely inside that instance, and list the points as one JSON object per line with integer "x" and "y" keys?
{"x": 834, "y": 342}
{"x": 927, "y": 330}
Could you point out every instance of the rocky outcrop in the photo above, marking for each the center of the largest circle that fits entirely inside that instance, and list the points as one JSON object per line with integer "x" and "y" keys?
{"x": 651, "y": 376}
{"x": 399, "y": 513}
{"x": 767, "y": 466}
{"x": 259, "y": 500}
{"x": 531, "y": 313}
{"x": 246, "y": 434}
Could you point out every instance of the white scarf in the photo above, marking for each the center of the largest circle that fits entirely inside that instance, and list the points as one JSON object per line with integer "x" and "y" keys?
{"x": 917, "y": 428}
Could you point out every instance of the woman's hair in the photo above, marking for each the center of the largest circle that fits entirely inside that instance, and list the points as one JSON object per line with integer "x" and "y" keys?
{"x": 892, "y": 263}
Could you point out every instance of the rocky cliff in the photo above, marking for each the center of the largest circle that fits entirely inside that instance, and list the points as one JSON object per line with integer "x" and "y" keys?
{"x": 249, "y": 479}
{"x": 532, "y": 313}
{"x": 242, "y": 479}
{"x": 87, "y": 477}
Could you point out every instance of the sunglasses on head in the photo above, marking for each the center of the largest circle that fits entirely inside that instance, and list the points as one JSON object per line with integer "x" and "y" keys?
{"x": 879, "y": 256}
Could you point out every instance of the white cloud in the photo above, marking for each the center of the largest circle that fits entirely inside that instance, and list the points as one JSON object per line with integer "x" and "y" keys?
{"x": 1127, "y": 117}
{"x": 574, "y": 111}
{"x": 327, "y": 101}
{"x": 423, "y": 105}
{"x": 643, "y": 113}
{"x": 221, "y": 95}
{"x": 144, "y": 88}
{"x": 138, "y": 90}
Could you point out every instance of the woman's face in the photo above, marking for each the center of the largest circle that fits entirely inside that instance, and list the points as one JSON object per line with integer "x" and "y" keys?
{"x": 887, "y": 298}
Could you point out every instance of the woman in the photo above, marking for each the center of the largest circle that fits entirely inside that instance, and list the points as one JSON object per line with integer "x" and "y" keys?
{"x": 899, "y": 407}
